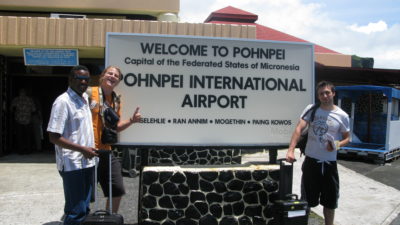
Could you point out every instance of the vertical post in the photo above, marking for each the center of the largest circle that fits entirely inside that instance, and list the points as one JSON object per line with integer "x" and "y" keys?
{"x": 388, "y": 119}
{"x": 110, "y": 181}
{"x": 352, "y": 119}
{"x": 144, "y": 153}
{"x": 96, "y": 165}
{"x": 273, "y": 155}
{"x": 3, "y": 111}
{"x": 369, "y": 122}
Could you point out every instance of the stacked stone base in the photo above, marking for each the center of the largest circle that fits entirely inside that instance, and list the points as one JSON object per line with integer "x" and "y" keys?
{"x": 133, "y": 159}
{"x": 221, "y": 195}
{"x": 191, "y": 156}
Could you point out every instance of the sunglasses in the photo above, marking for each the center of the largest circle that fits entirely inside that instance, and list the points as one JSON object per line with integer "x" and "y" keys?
{"x": 85, "y": 78}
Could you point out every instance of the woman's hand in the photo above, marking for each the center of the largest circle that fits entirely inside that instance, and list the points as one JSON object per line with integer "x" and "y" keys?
{"x": 136, "y": 116}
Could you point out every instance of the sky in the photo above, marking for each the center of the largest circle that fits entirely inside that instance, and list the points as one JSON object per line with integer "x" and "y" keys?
{"x": 366, "y": 28}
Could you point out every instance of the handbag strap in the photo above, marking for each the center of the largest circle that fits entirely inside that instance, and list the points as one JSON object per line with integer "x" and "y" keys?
{"x": 115, "y": 100}
{"x": 313, "y": 109}
{"x": 103, "y": 104}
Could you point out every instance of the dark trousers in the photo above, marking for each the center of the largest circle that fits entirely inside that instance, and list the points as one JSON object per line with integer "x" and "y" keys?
{"x": 78, "y": 186}
{"x": 24, "y": 138}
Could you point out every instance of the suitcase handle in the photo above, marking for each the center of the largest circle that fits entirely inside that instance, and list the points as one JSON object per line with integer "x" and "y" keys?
{"x": 101, "y": 212}
{"x": 283, "y": 161}
{"x": 103, "y": 152}
{"x": 109, "y": 153}
{"x": 292, "y": 197}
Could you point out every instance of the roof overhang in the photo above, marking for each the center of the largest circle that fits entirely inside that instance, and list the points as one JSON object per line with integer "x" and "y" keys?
{"x": 147, "y": 7}
{"x": 351, "y": 76}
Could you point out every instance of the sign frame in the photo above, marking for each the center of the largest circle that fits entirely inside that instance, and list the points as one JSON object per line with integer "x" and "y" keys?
{"x": 137, "y": 127}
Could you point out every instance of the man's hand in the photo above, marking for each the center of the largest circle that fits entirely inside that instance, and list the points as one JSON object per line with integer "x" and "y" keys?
{"x": 89, "y": 152}
{"x": 136, "y": 116}
{"x": 294, "y": 140}
{"x": 290, "y": 156}
{"x": 57, "y": 139}
{"x": 332, "y": 144}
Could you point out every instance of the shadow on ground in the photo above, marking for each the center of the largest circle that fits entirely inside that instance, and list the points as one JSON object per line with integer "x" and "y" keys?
{"x": 37, "y": 157}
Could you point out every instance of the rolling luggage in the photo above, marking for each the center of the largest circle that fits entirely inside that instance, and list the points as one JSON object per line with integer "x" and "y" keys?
{"x": 103, "y": 217}
{"x": 291, "y": 211}
{"x": 285, "y": 178}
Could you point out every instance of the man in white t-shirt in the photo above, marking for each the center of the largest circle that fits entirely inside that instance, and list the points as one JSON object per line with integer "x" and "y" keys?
{"x": 328, "y": 131}
{"x": 71, "y": 131}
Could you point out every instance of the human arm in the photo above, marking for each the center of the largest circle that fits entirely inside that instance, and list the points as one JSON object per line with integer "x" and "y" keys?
{"x": 122, "y": 125}
{"x": 295, "y": 138}
{"x": 57, "y": 139}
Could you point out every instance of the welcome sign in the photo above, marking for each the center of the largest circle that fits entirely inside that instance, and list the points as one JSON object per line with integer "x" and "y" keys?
{"x": 211, "y": 91}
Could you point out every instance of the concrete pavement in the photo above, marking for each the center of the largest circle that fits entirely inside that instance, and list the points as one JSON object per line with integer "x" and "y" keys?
{"x": 362, "y": 199}
{"x": 31, "y": 193}
{"x": 31, "y": 190}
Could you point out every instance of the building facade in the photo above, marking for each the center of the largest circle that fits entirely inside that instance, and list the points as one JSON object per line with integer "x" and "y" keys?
{"x": 82, "y": 26}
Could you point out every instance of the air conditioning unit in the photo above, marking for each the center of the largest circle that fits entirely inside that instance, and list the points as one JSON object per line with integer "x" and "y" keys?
{"x": 63, "y": 15}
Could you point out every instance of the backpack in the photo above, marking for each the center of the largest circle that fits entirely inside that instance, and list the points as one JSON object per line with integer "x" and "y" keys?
{"x": 301, "y": 144}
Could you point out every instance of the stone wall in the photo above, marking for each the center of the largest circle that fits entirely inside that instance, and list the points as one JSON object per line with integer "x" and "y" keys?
{"x": 221, "y": 195}
{"x": 193, "y": 156}
{"x": 132, "y": 158}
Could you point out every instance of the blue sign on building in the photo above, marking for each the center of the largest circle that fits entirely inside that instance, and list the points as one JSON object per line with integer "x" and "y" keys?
{"x": 50, "y": 57}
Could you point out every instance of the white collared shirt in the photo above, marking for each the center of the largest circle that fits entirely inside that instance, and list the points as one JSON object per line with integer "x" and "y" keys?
{"x": 71, "y": 118}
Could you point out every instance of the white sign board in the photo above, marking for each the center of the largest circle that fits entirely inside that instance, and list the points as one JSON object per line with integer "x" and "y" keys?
{"x": 200, "y": 91}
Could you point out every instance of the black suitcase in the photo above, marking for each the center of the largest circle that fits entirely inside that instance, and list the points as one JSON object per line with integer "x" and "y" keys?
{"x": 291, "y": 211}
{"x": 103, "y": 217}
{"x": 285, "y": 178}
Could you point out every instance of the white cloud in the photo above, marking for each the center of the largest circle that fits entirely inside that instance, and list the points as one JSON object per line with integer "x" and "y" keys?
{"x": 390, "y": 57}
{"x": 370, "y": 28}
{"x": 312, "y": 22}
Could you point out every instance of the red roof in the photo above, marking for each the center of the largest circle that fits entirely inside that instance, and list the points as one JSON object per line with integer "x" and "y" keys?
{"x": 231, "y": 15}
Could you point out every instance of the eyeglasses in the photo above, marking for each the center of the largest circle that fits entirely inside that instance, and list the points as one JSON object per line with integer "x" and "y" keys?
{"x": 85, "y": 78}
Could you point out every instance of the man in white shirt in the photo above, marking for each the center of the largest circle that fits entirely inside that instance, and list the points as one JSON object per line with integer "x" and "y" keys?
{"x": 71, "y": 131}
{"x": 327, "y": 132}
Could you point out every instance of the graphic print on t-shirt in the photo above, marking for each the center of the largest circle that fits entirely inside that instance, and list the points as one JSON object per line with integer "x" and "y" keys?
{"x": 320, "y": 128}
